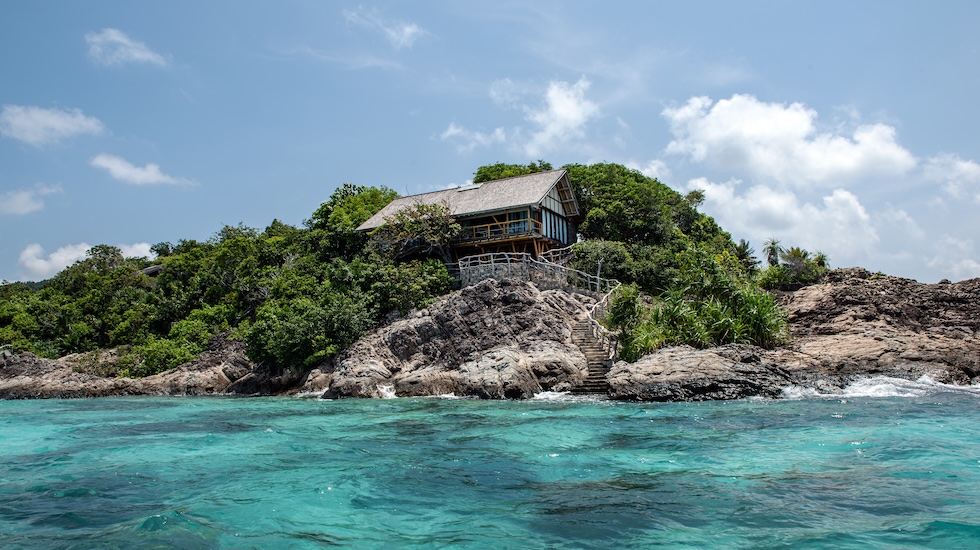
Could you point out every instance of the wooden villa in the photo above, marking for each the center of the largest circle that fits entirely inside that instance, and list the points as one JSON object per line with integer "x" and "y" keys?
{"x": 532, "y": 213}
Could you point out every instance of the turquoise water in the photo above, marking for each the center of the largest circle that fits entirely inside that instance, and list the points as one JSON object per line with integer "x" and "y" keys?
{"x": 848, "y": 471}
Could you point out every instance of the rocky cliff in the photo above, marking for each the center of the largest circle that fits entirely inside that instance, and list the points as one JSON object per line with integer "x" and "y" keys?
{"x": 510, "y": 340}
{"x": 495, "y": 339}
{"x": 854, "y": 325}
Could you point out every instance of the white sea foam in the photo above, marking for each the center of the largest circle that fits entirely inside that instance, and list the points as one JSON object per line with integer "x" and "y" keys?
{"x": 566, "y": 396}
{"x": 882, "y": 386}
{"x": 385, "y": 392}
{"x": 448, "y": 396}
{"x": 310, "y": 395}
{"x": 551, "y": 395}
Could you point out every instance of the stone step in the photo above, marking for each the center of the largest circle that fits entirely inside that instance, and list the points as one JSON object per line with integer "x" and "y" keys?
{"x": 597, "y": 357}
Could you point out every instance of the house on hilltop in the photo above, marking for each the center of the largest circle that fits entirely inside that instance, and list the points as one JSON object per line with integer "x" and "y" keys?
{"x": 532, "y": 213}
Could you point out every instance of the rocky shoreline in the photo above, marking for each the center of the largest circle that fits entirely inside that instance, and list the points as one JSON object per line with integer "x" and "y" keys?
{"x": 508, "y": 339}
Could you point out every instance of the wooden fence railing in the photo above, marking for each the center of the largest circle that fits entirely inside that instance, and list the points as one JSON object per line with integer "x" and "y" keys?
{"x": 501, "y": 230}
{"x": 546, "y": 274}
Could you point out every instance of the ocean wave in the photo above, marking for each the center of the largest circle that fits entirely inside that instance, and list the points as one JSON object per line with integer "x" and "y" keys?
{"x": 566, "y": 396}
{"x": 882, "y": 386}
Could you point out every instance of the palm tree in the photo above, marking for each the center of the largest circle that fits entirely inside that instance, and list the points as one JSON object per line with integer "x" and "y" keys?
{"x": 796, "y": 260}
{"x": 772, "y": 250}
{"x": 746, "y": 256}
{"x": 821, "y": 260}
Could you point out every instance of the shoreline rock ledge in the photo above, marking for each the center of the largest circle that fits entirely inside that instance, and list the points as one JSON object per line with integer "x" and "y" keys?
{"x": 496, "y": 340}
{"x": 508, "y": 339}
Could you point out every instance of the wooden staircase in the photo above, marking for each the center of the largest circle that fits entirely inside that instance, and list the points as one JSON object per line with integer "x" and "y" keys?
{"x": 599, "y": 362}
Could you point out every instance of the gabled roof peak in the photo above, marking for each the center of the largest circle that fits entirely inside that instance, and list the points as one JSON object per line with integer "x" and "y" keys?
{"x": 476, "y": 198}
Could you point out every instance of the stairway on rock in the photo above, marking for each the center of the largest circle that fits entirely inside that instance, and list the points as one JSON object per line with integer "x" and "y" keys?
{"x": 598, "y": 360}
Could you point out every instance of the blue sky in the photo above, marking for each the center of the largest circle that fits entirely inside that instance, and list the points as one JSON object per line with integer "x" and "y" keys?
{"x": 844, "y": 127}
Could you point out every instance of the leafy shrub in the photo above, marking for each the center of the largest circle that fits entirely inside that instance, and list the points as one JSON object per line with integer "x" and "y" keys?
{"x": 708, "y": 306}
{"x": 158, "y": 355}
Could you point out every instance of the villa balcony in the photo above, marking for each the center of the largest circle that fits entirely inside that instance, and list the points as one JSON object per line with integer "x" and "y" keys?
{"x": 501, "y": 230}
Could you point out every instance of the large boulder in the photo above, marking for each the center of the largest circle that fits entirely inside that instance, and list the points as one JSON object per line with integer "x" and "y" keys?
{"x": 861, "y": 324}
{"x": 496, "y": 339}
{"x": 855, "y": 325}
{"x": 221, "y": 369}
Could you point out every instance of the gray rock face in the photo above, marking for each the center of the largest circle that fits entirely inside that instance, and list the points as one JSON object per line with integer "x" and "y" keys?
{"x": 859, "y": 324}
{"x": 855, "y": 325}
{"x": 510, "y": 340}
{"x": 496, "y": 339}
{"x": 219, "y": 370}
{"x": 686, "y": 374}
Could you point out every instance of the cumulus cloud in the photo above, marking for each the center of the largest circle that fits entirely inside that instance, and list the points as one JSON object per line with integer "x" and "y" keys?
{"x": 25, "y": 201}
{"x": 38, "y": 126}
{"x": 37, "y": 265}
{"x": 136, "y": 250}
{"x": 900, "y": 224}
{"x": 467, "y": 140}
{"x": 656, "y": 169}
{"x": 781, "y": 144}
{"x": 124, "y": 171}
{"x": 838, "y": 224}
{"x": 559, "y": 119}
{"x": 959, "y": 177}
{"x": 958, "y": 257}
{"x": 112, "y": 47}
{"x": 563, "y": 117}
{"x": 400, "y": 34}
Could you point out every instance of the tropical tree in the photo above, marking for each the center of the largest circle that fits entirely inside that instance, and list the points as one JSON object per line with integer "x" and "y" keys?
{"x": 419, "y": 230}
{"x": 502, "y": 170}
{"x": 746, "y": 256}
{"x": 772, "y": 249}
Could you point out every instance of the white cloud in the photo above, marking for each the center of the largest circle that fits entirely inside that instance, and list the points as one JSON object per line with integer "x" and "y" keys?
{"x": 25, "y": 201}
{"x": 122, "y": 170}
{"x": 780, "y": 144}
{"x": 400, "y": 34}
{"x": 960, "y": 178}
{"x": 467, "y": 140}
{"x": 36, "y": 265}
{"x": 656, "y": 169}
{"x": 112, "y": 47}
{"x": 563, "y": 118}
{"x": 958, "y": 257}
{"x": 509, "y": 94}
{"x": 136, "y": 250}
{"x": 900, "y": 224}
{"x": 838, "y": 225}
{"x": 38, "y": 126}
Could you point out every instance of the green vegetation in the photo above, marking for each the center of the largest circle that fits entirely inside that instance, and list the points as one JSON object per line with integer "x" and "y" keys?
{"x": 709, "y": 305}
{"x": 296, "y": 295}
{"x": 300, "y": 295}
{"x": 791, "y": 267}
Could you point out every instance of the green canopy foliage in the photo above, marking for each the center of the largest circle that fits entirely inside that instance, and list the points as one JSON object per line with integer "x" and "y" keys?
{"x": 299, "y": 295}
{"x": 296, "y": 295}
{"x": 502, "y": 170}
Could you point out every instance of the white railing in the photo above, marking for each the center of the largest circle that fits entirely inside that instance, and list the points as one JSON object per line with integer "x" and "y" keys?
{"x": 546, "y": 274}
{"x": 560, "y": 256}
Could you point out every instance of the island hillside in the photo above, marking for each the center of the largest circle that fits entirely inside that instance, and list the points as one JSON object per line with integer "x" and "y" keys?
{"x": 325, "y": 309}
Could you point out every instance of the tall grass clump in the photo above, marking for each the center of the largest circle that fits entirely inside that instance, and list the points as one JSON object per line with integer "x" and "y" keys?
{"x": 706, "y": 306}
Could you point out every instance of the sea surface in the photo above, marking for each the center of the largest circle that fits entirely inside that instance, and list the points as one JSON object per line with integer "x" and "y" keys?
{"x": 886, "y": 464}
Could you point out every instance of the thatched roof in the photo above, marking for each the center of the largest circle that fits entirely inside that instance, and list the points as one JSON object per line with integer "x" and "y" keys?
{"x": 480, "y": 198}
